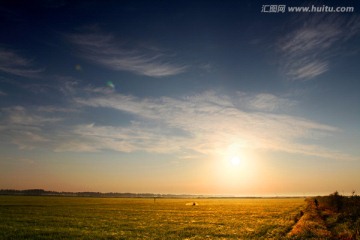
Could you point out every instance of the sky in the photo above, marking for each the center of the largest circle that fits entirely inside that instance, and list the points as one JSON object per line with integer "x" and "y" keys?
{"x": 181, "y": 97}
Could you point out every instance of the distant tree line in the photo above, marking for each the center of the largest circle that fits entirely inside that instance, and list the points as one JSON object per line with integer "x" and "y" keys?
{"x": 42, "y": 192}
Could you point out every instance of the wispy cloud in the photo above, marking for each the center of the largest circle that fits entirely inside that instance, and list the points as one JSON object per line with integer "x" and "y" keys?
{"x": 199, "y": 125}
{"x": 107, "y": 51}
{"x": 265, "y": 102}
{"x": 2, "y": 93}
{"x": 18, "y": 115}
{"x": 28, "y": 140}
{"x": 25, "y": 128}
{"x": 204, "y": 124}
{"x": 54, "y": 109}
{"x": 12, "y": 63}
{"x": 306, "y": 52}
{"x": 136, "y": 137}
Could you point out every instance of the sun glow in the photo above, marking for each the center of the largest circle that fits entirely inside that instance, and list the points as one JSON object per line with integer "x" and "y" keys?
{"x": 235, "y": 170}
{"x": 235, "y": 161}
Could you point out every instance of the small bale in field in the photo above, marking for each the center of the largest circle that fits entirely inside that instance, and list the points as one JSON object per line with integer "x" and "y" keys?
{"x": 192, "y": 204}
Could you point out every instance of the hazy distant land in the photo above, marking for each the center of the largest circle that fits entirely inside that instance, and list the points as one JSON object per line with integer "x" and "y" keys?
{"x": 42, "y": 192}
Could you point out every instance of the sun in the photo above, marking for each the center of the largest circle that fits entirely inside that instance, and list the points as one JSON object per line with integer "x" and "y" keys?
{"x": 235, "y": 161}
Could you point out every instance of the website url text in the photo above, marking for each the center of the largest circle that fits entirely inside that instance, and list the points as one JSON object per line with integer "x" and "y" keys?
{"x": 308, "y": 9}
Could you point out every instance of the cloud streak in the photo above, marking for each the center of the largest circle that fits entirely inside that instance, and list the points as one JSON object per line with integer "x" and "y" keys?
{"x": 211, "y": 124}
{"x": 200, "y": 125}
{"x": 12, "y": 63}
{"x": 306, "y": 52}
{"x": 106, "y": 51}
{"x": 26, "y": 129}
{"x": 265, "y": 102}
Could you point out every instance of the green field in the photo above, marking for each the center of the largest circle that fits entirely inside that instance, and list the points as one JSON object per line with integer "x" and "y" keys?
{"x": 25, "y": 217}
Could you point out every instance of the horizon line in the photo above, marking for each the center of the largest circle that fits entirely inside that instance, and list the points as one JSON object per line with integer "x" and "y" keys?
{"x": 40, "y": 192}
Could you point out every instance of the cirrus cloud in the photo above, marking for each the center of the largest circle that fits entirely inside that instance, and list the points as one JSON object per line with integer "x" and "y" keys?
{"x": 204, "y": 124}
{"x": 106, "y": 51}
{"x": 306, "y": 52}
{"x": 12, "y": 63}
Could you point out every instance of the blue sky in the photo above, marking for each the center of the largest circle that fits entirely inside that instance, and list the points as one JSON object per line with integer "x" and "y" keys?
{"x": 202, "y": 97}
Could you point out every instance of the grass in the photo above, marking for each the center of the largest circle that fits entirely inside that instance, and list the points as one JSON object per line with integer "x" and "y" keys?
{"x": 25, "y": 217}
{"x": 329, "y": 217}
{"x": 341, "y": 215}
{"x": 311, "y": 225}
